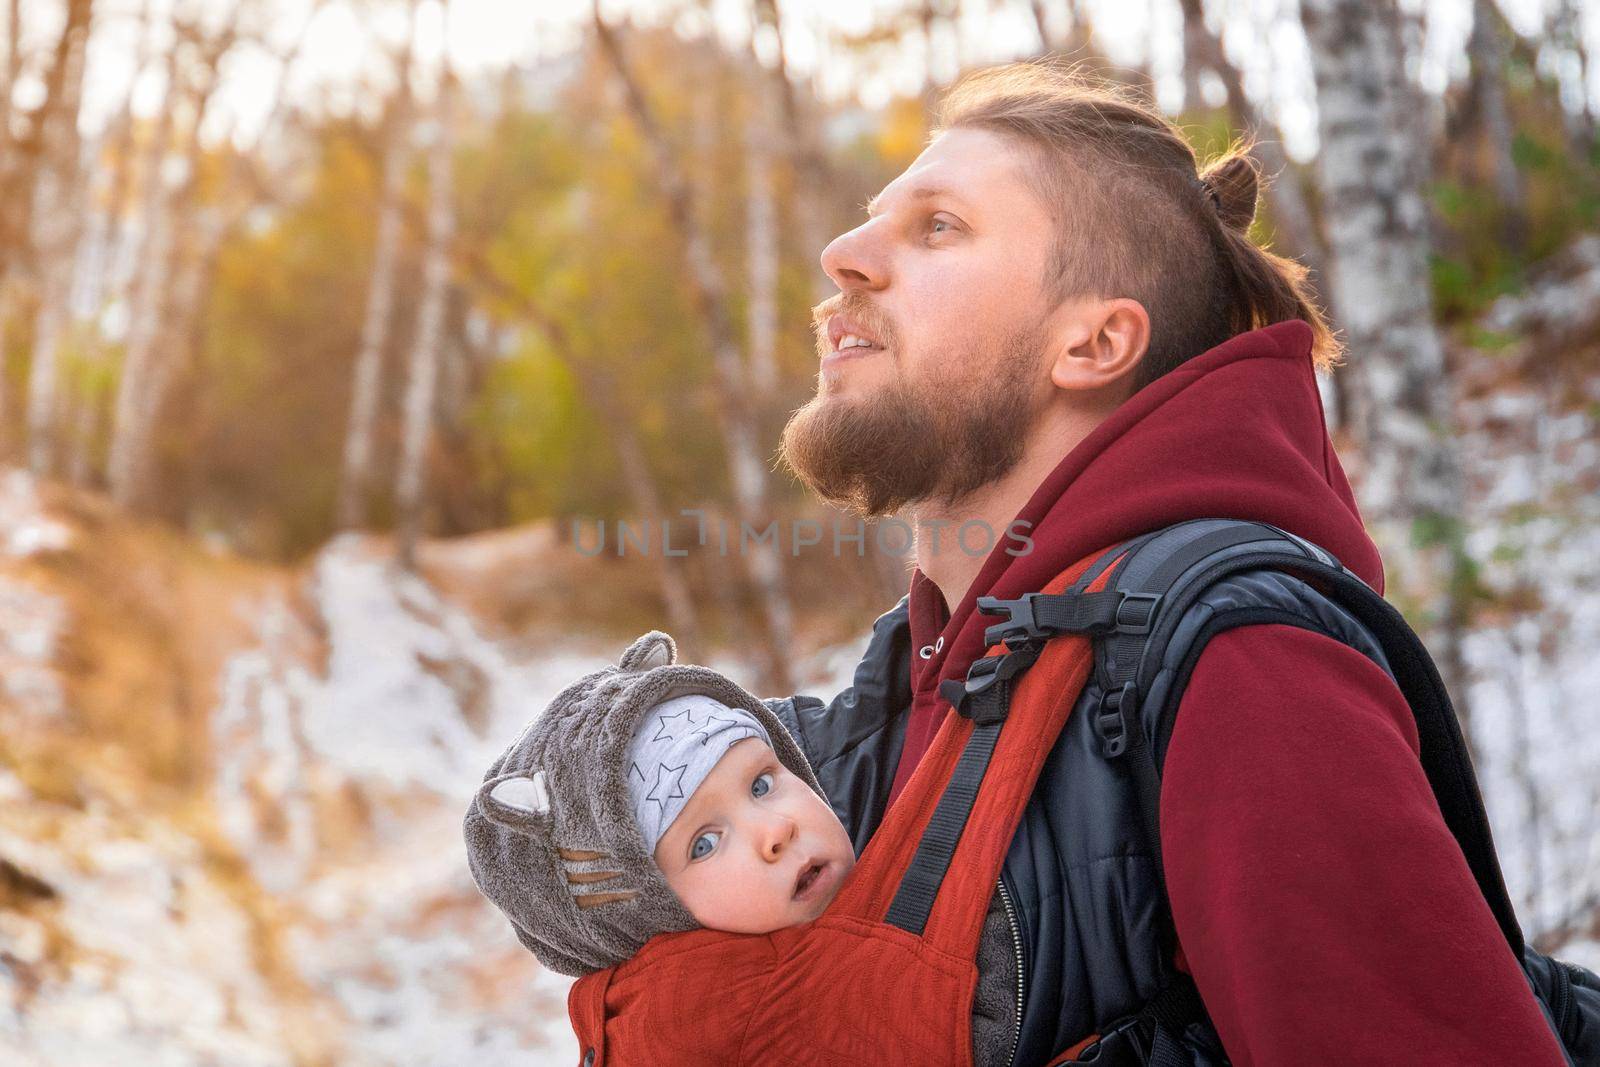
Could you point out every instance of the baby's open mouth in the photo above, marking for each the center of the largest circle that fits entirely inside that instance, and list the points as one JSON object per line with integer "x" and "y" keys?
{"x": 808, "y": 876}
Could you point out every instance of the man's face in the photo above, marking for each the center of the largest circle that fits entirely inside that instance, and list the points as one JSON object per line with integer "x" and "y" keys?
{"x": 755, "y": 849}
{"x": 944, "y": 283}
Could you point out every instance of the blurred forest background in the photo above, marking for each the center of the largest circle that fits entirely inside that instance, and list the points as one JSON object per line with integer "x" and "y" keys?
{"x": 323, "y": 321}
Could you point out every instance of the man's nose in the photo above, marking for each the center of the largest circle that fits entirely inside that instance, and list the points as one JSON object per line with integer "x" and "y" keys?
{"x": 854, "y": 260}
{"x": 775, "y": 835}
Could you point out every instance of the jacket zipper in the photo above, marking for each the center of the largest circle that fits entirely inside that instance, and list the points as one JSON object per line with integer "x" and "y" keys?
{"x": 1022, "y": 979}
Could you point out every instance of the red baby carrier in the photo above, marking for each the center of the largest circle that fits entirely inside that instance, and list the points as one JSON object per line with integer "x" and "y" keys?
{"x": 887, "y": 973}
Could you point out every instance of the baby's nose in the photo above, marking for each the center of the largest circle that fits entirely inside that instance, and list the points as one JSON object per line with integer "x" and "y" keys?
{"x": 779, "y": 833}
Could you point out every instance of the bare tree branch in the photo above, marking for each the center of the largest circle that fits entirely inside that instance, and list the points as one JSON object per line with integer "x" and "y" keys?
{"x": 710, "y": 294}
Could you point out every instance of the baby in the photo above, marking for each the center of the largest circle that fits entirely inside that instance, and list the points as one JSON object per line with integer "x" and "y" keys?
{"x": 652, "y": 798}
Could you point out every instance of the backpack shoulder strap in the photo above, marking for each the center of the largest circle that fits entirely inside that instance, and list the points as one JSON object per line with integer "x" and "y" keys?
{"x": 1145, "y": 655}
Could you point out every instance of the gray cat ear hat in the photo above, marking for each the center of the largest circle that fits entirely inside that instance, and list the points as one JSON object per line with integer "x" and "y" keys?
{"x": 552, "y": 835}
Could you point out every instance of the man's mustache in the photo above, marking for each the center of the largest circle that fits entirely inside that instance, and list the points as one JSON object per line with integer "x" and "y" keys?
{"x": 858, "y": 307}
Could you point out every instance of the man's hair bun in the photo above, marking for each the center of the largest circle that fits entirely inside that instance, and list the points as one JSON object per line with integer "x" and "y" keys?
{"x": 1233, "y": 183}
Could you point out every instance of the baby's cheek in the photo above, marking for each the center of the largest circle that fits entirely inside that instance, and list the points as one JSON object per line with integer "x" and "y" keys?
{"x": 736, "y": 903}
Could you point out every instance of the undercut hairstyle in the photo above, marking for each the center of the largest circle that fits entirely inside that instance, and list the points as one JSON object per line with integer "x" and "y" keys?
{"x": 1136, "y": 216}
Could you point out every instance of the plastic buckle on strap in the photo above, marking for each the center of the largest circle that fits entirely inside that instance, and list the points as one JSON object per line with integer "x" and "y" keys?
{"x": 1114, "y": 721}
{"x": 982, "y": 676}
{"x": 1085, "y": 613}
{"x": 1129, "y": 619}
{"x": 1020, "y": 625}
{"x": 1128, "y": 1029}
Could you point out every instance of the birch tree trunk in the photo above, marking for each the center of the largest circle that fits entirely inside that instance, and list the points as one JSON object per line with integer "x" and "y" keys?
{"x": 761, "y": 248}
{"x": 1491, "y": 110}
{"x": 1041, "y": 26}
{"x": 422, "y": 372}
{"x": 813, "y": 177}
{"x": 747, "y": 471}
{"x": 8, "y": 77}
{"x": 109, "y": 239}
{"x": 37, "y": 169}
{"x": 364, "y": 392}
{"x": 641, "y": 484}
{"x": 27, "y": 162}
{"x": 61, "y": 231}
{"x": 141, "y": 385}
{"x": 1196, "y": 56}
{"x": 58, "y": 203}
{"x": 107, "y": 205}
{"x": 1410, "y": 481}
{"x": 151, "y": 260}
{"x": 132, "y": 420}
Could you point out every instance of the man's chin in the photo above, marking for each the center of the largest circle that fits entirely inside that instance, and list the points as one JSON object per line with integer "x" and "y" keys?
{"x": 866, "y": 448}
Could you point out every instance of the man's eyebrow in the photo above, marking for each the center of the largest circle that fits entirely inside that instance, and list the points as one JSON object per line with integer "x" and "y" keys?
{"x": 921, "y": 192}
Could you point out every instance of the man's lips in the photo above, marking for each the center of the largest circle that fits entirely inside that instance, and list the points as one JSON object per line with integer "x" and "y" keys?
{"x": 842, "y": 355}
{"x": 841, "y": 327}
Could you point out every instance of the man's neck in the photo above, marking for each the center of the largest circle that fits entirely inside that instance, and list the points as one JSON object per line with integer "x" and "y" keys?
{"x": 940, "y": 554}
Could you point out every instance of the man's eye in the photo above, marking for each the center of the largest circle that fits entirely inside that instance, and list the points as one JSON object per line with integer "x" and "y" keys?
{"x": 758, "y": 789}
{"x": 704, "y": 845}
{"x": 939, "y": 222}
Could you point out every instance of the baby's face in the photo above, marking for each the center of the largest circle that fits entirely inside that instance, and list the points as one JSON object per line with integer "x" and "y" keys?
{"x": 754, "y": 850}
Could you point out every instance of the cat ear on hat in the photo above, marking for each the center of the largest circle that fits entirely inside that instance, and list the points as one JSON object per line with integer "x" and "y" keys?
{"x": 654, "y": 649}
{"x": 519, "y": 800}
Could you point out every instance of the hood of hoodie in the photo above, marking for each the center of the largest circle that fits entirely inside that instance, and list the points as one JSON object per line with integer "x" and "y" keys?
{"x": 1237, "y": 432}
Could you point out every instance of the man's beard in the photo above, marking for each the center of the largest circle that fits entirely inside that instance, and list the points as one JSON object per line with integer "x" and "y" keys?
{"x": 921, "y": 440}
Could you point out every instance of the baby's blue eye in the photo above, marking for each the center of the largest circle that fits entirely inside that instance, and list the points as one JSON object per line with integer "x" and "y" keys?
{"x": 710, "y": 839}
{"x": 757, "y": 790}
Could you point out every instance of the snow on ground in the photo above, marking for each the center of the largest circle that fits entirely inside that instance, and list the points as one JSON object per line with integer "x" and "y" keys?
{"x": 160, "y": 968}
{"x": 30, "y": 620}
{"x": 384, "y": 714}
{"x": 30, "y": 625}
{"x": 24, "y": 527}
{"x": 406, "y": 704}
{"x": 119, "y": 943}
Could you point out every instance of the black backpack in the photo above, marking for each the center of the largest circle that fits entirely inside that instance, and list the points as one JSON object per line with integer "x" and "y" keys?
{"x": 1146, "y": 646}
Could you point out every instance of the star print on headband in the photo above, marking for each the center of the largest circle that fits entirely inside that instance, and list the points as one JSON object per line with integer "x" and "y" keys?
{"x": 675, "y": 745}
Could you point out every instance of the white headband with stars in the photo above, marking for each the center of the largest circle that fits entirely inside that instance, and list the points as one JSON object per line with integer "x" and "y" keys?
{"x": 677, "y": 744}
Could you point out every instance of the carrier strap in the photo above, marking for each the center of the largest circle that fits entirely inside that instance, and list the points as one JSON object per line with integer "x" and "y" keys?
{"x": 913, "y": 901}
{"x": 984, "y": 698}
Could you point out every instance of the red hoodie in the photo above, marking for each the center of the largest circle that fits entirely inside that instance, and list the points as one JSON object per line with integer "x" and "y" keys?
{"x": 1323, "y": 907}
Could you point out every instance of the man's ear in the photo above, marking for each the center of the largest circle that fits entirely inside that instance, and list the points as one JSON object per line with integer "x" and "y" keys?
{"x": 1100, "y": 342}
